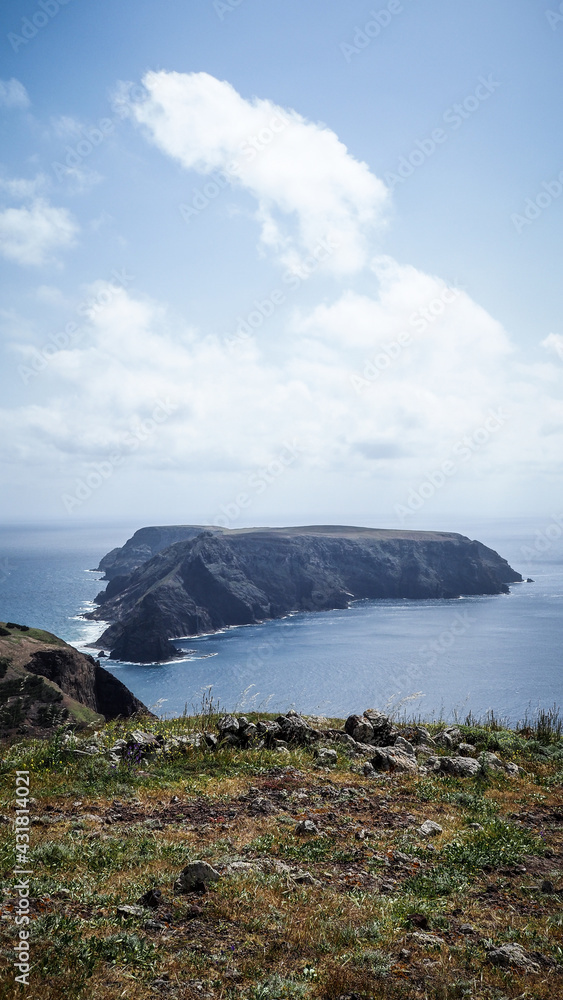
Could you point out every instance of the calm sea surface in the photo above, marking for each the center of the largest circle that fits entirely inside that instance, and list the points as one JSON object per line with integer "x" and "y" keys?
{"x": 427, "y": 658}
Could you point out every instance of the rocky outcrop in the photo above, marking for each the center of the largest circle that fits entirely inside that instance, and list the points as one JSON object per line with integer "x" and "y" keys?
{"x": 143, "y": 545}
{"x": 45, "y": 682}
{"x": 220, "y": 578}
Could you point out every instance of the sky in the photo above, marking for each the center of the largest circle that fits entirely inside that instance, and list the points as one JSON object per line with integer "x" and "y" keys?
{"x": 281, "y": 262}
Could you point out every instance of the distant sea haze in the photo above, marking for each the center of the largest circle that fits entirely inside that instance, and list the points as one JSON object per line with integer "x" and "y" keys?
{"x": 425, "y": 658}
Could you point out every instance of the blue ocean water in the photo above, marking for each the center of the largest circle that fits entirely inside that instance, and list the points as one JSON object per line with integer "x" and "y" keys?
{"x": 429, "y": 658}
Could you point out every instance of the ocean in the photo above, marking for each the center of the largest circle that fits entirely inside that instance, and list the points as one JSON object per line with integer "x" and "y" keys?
{"x": 427, "y": 659}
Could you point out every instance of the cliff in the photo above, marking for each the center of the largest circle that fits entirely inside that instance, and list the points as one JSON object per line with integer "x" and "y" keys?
{"x": 221, "y": 578}
{"x": 45, "y": 682}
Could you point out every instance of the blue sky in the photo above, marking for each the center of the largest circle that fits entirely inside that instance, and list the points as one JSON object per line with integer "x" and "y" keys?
{"x": 361, "y": 322}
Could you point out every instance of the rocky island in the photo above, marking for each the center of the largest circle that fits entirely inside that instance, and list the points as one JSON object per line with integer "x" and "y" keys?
{"x": 178, "y": 581}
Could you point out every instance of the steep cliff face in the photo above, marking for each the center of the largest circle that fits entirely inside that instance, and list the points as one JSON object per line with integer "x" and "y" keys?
{"x": 251, "y": 575}
{"x": 142, "y": 546}
{"x": 44, "y": 682}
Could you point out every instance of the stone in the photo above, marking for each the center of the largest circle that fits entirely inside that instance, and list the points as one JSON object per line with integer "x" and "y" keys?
{"x": 151, "y": 898}
{"x": 426, "y": 940}
{"x": 145, "y": 741}
{"x": 153, "y": 925}
{"x": 513, "y": 956}
{"x": 359, "y": 728}
{"x": 429, "y": 829}
{"x": 127, "y": 910}
{"x": 444, "y": 739}
{"x": 306, "y": 826}
{"x": 383, "y": 728}
{"x": 404, "y": 745}
{"x": 228, "y": 724}
{"x": 326, "y": 756}
{"x": 423, "y": 736}
{"x": 304, "y": 878}
{"x": 459, "y": 767}
{"x": 368, "y": 770}
{"x": 391, "y": 759}
{"x": 467, "y": 929}
{"x": 193, "y": 875}
{"x": 466, "y": 750}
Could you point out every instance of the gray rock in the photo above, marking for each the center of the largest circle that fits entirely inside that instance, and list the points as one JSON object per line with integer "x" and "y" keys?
{"x": 327, "y": 756}
{"x": 423, "y": 736}
{"x": 392, "y": 759}
{"x": 402, "y": 744}
{"x": 228, "y": 724}
{"x": 459, "y": 767}
{"x": 359, "y": 728}
{"x": 304, "y": 878}
{"x": 513, "y": 956}
{"x": 466, "y": 750}
{"x": 368, "y": 770}
{"x": 145, "y": 741}
{"x": 306, "y": 826}
{"x": 383, "y": 728}
{"x": 430, "y": 829}
{"x": 467, "y": 929}
{"x": 426, "y": 940}
{"x": 195, "y": 873}
{"x": 130, "y": 911}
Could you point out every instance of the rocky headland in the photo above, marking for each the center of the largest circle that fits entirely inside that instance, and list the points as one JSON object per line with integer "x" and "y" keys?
{"x": 44, "y": 683}
{"x": 209, "y": 579}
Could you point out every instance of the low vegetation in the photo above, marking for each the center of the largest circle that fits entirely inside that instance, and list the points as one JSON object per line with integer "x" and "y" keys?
{"x": 361, "y": 906}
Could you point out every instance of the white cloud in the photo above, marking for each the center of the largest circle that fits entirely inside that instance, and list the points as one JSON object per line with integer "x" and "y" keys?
{"x": 22, "y": 188}
{"x": 307, "y": 185}
{"x": 30, "y": 236}
{"x": 554, "y": 342}
{"x": 234, "y": 409}
{"x": 13, "y": 94}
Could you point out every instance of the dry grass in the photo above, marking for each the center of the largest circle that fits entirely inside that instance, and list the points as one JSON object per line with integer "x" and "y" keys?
{"x": 262, "y": 933}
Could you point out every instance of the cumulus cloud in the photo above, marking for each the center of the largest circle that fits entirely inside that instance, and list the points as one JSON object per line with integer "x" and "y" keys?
{"x": 425, "y": 367}
{"x": 30, "y": 236}
{"x": 13, "y": 94}
{"x": 307, "y": 185}
{"x": 22, "y": 188}
{"x": 554, "y": 342}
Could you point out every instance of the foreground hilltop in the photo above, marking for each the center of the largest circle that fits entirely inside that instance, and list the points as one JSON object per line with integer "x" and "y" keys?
{"x": 217, "y": 578}
{"x": 44, "y": 682}
{"x": 262, "y": 858}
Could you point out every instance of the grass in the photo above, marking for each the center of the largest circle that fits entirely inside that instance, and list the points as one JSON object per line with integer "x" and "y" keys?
{"x": 105, "y": 833}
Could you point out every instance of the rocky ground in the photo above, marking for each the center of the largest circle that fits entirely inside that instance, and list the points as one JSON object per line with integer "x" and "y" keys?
{"x": 255, "y": 857}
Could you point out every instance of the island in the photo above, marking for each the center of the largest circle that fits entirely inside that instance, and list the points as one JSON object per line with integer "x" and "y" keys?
{"x": 178, "y": 581}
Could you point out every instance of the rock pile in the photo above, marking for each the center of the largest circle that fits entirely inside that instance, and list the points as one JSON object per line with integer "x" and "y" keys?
{"x": 371, "y": 736}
